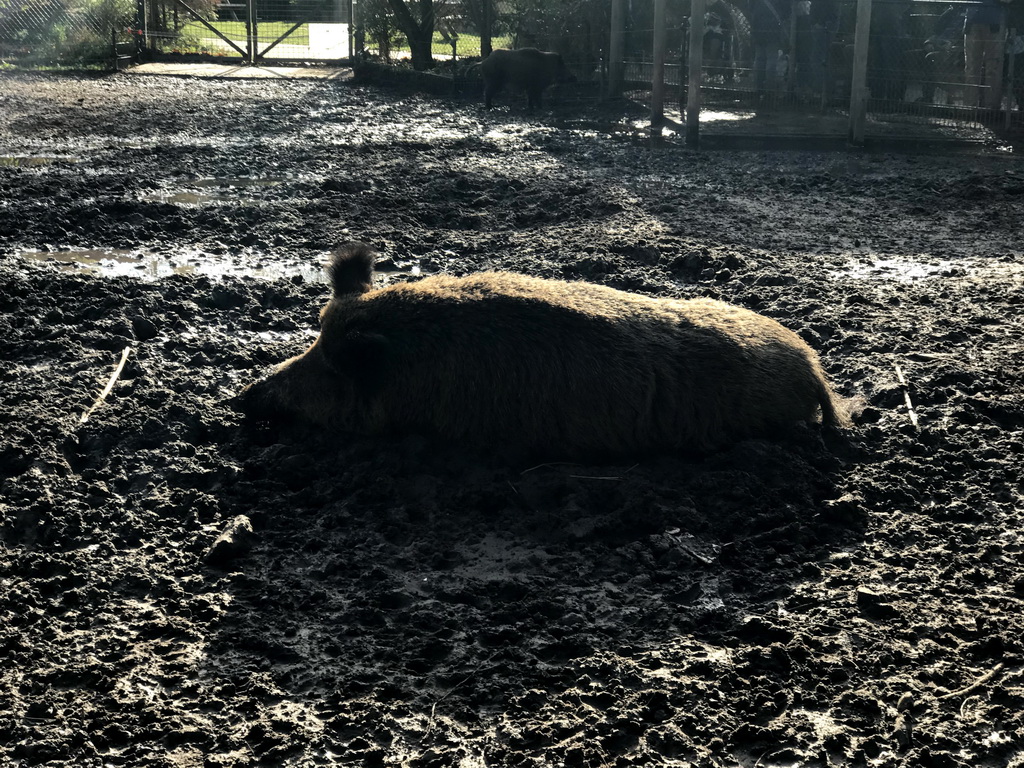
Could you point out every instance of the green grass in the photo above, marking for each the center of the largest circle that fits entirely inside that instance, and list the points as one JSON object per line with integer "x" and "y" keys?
{"x": 267, "y": 31}
{"x": 466, "y": 45}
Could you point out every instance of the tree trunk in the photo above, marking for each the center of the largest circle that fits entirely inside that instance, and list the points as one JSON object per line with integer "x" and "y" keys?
{"x": 421, "y": 45}
{"x": 419, "y": 33}
{"x": 485, "y": 29}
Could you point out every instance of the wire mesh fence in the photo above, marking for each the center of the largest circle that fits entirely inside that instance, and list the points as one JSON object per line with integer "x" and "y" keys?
{"x": 459, "y": 30}
{"x": 578, "y": 29}
{"x": 67, "y": 32}
{"x": 929, "y": 62}
{"x": 796, "y": 57}
{"x": 252, "y": 30}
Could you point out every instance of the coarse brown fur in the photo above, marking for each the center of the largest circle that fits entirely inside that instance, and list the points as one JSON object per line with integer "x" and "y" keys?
{"x": 545, "y": 367}
{"x": 523, "y": 69}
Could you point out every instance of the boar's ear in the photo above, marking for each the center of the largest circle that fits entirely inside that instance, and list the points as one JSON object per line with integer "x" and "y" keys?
{"x": 351, "y": 269}
{"x": 365, "y": 357}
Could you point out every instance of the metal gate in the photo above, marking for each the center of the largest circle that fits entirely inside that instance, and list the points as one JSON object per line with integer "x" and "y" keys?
{"x": 254, "y": 31}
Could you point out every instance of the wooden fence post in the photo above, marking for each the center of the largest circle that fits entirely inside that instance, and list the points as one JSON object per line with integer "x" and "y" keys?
{"x": 858, "y": 84}
{"x": 696, "y": 64}
{"x": 658, "y": 70}
{"x": 1008, "y": 85}
{"x": 250, "y": 31}
{"x": 615, "y": 48}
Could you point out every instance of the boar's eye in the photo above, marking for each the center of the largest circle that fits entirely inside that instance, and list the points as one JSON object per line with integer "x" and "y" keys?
{"x": 362, "y": 357}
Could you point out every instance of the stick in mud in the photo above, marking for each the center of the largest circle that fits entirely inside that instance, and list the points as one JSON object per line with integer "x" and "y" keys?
{"x": 906, "y": 396}
{"x": 976, "y": 685}
{"x": 110, "y": 386}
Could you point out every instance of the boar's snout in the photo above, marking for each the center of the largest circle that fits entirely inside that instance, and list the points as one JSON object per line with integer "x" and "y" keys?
{"x": 257, "y": 401}
{"x": 268, "y": 399}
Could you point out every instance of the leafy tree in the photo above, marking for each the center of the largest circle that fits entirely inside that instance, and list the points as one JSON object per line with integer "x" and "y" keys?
{"x": 379, "y": 25}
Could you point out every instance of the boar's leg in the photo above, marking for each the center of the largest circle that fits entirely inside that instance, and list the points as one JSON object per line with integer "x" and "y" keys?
{"x": 492, "y": 87}
{"x": 533, "y": 97}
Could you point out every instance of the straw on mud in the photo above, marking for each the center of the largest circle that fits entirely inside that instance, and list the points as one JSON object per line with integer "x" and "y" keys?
{"x": 551, "y": 464}
{"x": 110, "y": 386}
{"x": 906, "y": 396}
{"x": 604, "y": 477}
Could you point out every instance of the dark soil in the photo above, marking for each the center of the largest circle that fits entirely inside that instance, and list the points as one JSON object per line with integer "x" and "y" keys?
{"x": 181, "y": 588}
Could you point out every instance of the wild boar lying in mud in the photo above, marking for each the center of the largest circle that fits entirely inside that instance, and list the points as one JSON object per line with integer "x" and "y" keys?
{"x": 524, "y": 69}
{"x": 543, "y": 367}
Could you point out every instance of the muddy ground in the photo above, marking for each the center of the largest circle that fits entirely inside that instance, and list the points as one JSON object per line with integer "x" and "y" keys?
{"x": 781, "y": 603}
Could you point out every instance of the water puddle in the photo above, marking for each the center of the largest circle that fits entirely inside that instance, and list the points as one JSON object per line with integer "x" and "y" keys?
{"x": 198, "y": 192}
{"x": 30, "y": 161}
{"x": 113, "y": 262}
{"x": 387, "y": 269}
{"x": 899, "y": 269}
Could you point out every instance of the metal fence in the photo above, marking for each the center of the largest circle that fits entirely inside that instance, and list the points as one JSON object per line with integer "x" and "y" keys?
{"x": 67, "y": 32}
{"x": 471, "y": 28}
{"x": 252, "y": 30}
{"x": 104, "y": 32}
{"x": 776, "y": 65}
{"x": 787, "y": 63}
{"x": 790, "y": 63}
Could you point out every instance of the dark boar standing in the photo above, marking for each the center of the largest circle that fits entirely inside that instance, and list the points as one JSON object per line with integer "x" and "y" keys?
{"x": 524, "y": 69}
{"x": 543, "y": 367}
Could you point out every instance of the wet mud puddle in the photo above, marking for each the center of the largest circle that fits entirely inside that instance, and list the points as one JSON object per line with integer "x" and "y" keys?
{"x": 911, "y": 269}
{"x": 28, "y": 161}
{"x": 149, "y": 265}
{"x": 900, "y": 269}
{"x": 214, "y": 190}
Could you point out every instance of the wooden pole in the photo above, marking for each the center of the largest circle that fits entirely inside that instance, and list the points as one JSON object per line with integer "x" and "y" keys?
{"x": 615, "y": 48}
{"x": 250, "y": 31}
{"x": 696, "y": 64}
{"x": 658, "y": 70}
{"x": 1008, "y": 85}
{"x": 858, "y": 86}
{"x": 486, "y": 44}
{"x": 791, "y": 62}
{"x": 358, "y": 34}
{"x": 142, "y": 34}
{"x": 997, "y": 79}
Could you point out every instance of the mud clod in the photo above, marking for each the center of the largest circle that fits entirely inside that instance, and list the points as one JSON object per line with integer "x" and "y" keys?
{"x": 234, "y": 542}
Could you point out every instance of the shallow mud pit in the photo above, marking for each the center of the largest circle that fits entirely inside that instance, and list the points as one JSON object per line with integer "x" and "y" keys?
{"x": 777, "y": 604}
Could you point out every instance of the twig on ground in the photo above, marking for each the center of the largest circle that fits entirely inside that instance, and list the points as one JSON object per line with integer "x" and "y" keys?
{"x": 450, "y": 691}
{"x": 979, "y": 683}
{"x": 604, "y": 477}
{"x": 906, "y": 396}
{"x": 551, "y": 464}
{"x": 110, "y": 386}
